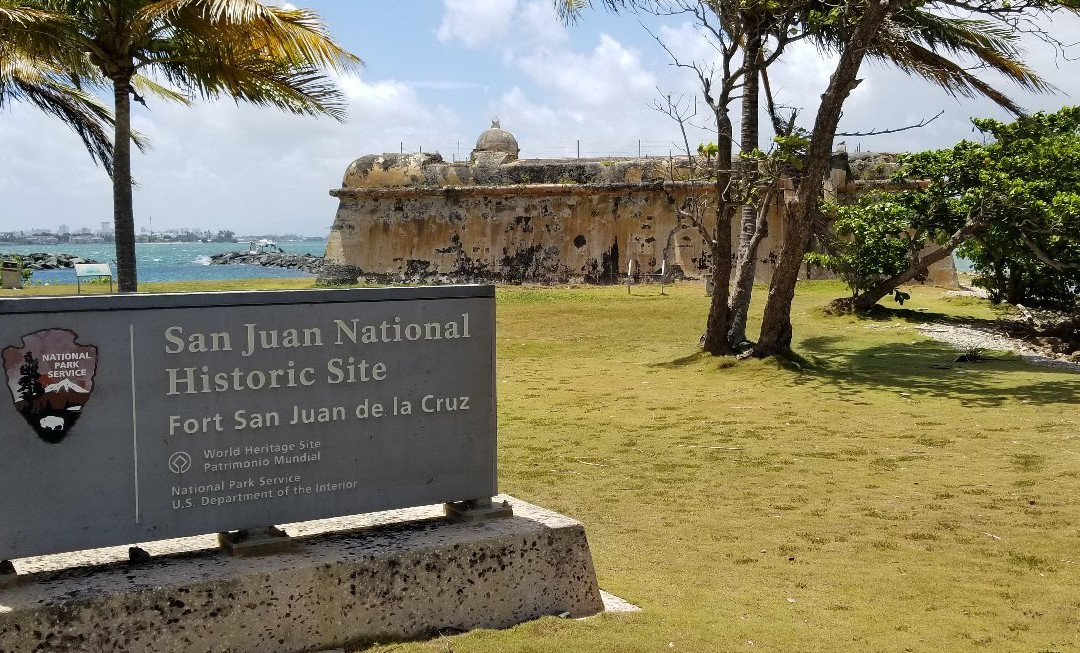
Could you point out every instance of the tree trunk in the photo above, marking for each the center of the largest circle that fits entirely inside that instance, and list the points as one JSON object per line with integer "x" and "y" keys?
{"x": 123, "y": 211}
{"x": 746, "y": 258}
{"x": 867, "y": 298}
{"x": 775, "y": 337}
{"x": 1014, "y": 288}
{"x": 716, "y": 328}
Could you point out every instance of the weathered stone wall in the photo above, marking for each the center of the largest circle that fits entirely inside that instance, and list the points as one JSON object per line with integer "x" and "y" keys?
{"x": 535, "y": 232}
{"x": 414, "y": 217}
{"x": 364, "y": 578}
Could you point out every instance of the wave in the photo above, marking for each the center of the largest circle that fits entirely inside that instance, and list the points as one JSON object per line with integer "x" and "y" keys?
{"x": 202, "y": 260}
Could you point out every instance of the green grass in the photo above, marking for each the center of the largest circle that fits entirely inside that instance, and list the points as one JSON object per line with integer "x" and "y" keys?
{"x": 859, "y": 499}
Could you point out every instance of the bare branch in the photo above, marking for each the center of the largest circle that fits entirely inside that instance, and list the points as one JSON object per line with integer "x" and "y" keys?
{"x": 680, "y": 111}
{"x": 878, "y": 132}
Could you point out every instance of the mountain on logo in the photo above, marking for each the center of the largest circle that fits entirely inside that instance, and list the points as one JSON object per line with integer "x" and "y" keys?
{"x": 66, "y": 385}
{"x": 63, "y": 395}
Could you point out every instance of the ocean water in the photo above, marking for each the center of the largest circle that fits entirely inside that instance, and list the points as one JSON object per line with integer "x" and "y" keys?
{"x": 168, "y": 261}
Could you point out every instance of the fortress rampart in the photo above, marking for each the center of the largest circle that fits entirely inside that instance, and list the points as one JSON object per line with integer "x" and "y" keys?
{"x": 415, "y": 217}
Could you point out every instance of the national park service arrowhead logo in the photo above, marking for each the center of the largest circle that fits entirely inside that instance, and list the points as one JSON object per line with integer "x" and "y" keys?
{"x": 50, "y": 378}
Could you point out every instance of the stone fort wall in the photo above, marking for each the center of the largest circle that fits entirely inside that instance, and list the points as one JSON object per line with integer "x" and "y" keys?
{"x": 417, "y": 218}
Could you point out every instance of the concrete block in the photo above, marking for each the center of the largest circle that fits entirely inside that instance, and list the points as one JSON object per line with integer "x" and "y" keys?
{"x": 391, "y": 575}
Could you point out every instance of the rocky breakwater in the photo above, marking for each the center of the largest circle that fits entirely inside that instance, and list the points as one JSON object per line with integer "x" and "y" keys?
{"x": 43, "y": 261}
{"x": 305, "y": 262}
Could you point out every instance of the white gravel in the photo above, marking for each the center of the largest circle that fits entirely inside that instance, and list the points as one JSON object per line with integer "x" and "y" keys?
{"x": 972, "y": 337}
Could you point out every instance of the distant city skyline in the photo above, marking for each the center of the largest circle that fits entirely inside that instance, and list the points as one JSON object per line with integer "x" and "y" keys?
{"x": 63, "y": 233}
{"x": 435, "y": 75}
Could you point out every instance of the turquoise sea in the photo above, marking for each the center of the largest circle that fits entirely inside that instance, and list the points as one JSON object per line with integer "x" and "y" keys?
{"x": 168, "y": 261}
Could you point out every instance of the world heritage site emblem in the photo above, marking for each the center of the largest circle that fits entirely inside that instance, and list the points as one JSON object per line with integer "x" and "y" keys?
{"x": 50, "y": 377}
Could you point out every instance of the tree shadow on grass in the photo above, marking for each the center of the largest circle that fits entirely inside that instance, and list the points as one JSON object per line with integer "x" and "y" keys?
{"x": 918, "y": 316}
{"x": 927, "y": 369}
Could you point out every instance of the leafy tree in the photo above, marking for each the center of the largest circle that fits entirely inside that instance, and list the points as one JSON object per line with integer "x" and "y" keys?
{"x": 867, "y": 30}
{"x": 871, "y": 241}
{"x": 1029, "y": 252}
{"x": 1012, "y": 204}
{"x": 266, "y": 55}
{"x": 919, "y": 38}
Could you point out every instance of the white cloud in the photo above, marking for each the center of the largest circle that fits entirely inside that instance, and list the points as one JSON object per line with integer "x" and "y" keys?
{"x": 476, "y": 22}
{"x": 214, "y": 165}
{"x": 601, "y": 78}
{"x": 507, "y": 26}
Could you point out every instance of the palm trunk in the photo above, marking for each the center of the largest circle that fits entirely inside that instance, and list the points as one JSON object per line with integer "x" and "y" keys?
{"x": 746, "y": 260}
{"x": 775, "y": 337}
{"x": 123, "y": 210}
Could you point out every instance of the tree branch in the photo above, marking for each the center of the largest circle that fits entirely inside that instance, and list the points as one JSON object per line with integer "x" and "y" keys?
{"x": 1051, "y": 262}
{"x": 875, "y": 132}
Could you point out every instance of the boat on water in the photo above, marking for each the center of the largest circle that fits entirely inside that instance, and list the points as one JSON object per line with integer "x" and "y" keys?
{"x": 264, "y": 246}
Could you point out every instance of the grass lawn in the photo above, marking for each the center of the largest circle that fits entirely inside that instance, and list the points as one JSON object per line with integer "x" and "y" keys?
{"x": 866, "y": 502}
{"x": 860, "y": 501}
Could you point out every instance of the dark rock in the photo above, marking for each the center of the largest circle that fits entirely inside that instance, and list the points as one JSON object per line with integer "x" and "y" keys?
{"x": 306, "y": 262}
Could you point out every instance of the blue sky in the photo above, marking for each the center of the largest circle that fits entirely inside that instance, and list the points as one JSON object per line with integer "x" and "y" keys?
{"x": 435, "y": 74}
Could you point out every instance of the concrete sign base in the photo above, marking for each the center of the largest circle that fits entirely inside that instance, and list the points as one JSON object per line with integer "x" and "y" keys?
{"x": 392, "y": 575}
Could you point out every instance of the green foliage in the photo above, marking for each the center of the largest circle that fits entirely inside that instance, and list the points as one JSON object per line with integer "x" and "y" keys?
{"x": 871, "y": 242}
{"x": 1034, "y": 165}
{"x": 707, "y": 150}
{"x": 1014, "y": 201}
{"x": 24, "y": 271}
{"x": 791, "y": 148}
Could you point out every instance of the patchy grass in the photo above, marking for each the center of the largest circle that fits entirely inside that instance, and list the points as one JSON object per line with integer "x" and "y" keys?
{"x": 858, "y": 499}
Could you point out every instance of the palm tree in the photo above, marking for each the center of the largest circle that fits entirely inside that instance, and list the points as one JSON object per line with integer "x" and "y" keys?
{"x": 25, "y": 77}
{"x": 182, "y": 49}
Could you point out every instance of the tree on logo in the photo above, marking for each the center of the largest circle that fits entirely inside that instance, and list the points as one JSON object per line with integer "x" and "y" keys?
{"x": 30, "y": 387}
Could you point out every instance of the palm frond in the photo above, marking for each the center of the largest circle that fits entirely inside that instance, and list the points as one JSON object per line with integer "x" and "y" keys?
{"x": 913, "y": 58}
{"x": 233, "y": 64}
{"x": 989, "y": 44}
{"x": 21, "y": 80}
{"x": 146, "y": 86}
{"x": 295, "y": 34}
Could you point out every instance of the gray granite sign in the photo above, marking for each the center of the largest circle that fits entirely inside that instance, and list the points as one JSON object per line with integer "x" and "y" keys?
{"x": 141, "y": 417}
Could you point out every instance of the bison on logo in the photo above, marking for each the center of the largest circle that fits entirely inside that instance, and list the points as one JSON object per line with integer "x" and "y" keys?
{"x": 50, "y": 378}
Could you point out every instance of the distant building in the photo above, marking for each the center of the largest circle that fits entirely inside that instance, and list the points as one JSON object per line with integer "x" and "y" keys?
{"x": 63, "y": 230}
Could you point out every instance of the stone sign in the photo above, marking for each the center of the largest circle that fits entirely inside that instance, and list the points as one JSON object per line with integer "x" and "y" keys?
{"x": 145, "y": 417}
